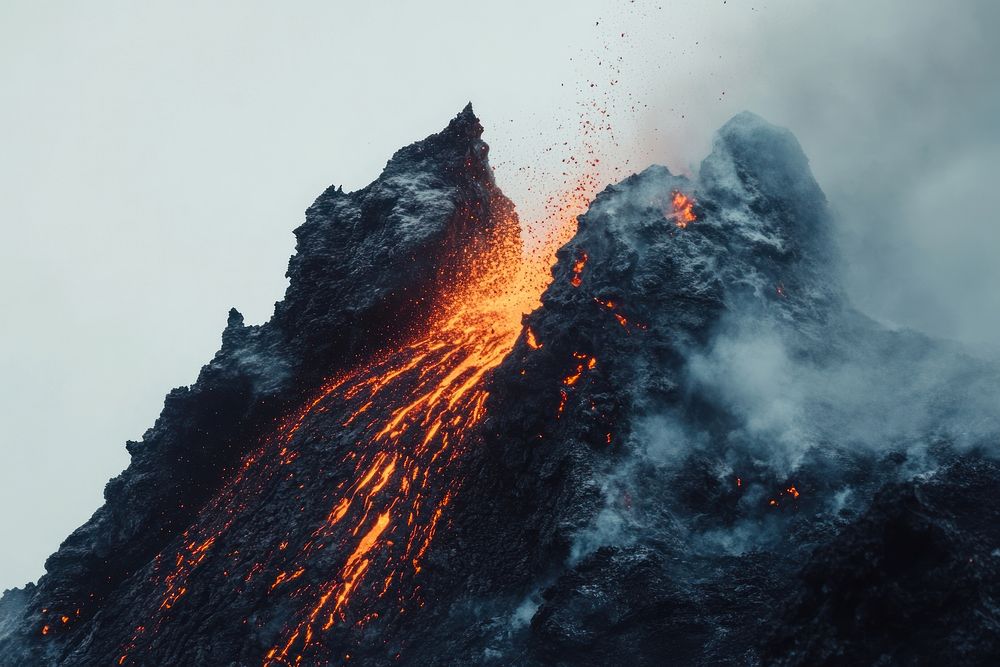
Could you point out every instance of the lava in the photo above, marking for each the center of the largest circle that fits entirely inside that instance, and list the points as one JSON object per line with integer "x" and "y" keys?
{"x": 586, "y": 363}
{"x": 434, "y": 392}
{"x": 531, "y": 340}
{"x": 577, "y": 279}
{"x": 619, "y": 317}
{"x": 791, "y": 491}
{"x": 682, "y": 209}
{"x": 406, "y": 417}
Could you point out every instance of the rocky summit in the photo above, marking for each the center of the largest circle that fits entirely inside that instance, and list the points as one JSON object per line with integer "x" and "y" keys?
{"x": 691, "y": 450}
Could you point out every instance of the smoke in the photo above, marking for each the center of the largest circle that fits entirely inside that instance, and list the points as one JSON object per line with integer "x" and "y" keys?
{"x": 895, "y": 104}
{"x": 753, "y": 377}
{"x": 883, "y": 391}
{"x": 787, "y": 415}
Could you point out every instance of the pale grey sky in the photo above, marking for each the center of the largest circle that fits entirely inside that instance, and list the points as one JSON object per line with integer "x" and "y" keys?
{"x": 156, "y": 157}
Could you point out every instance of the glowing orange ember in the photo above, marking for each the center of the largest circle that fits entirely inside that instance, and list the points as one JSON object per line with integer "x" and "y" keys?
{"x": 621, "y": 319}
{"x": 790, "y": 491}
{"x": 578, "y": 265}
{"x": 529, "y": 338}
{"x": 563, "y": 396}
{"x": 683, "y": 209}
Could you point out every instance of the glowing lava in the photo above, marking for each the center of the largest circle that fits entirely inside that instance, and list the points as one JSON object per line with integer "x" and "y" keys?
{"x": 531, "y": 340}
{"x": 577, "y": 279}
{"x": 406, "y": 416}
{"x": 682, "y": 209}
{"x": 432, "y": 392}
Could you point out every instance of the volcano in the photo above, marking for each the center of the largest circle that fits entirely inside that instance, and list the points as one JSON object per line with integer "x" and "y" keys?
{"x": 655, "y": 433}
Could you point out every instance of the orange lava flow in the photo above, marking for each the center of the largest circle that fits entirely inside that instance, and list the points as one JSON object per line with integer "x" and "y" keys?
{"x": 407, "y": 414}
{"x": 388, "y": 512}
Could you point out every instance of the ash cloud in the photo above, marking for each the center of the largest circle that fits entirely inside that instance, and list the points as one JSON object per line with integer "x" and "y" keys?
{"x": 890, "y": 391}
{"x": 898, "y": 115}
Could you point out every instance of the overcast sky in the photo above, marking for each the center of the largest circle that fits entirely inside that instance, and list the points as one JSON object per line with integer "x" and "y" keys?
{"x": 157, "y": 155}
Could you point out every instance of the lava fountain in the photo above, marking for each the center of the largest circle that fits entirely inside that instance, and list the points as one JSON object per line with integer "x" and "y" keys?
{"x": 406, "y": 415}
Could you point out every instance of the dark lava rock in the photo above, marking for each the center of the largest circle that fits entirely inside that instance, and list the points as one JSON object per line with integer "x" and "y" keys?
{"x": 915, "y": 580}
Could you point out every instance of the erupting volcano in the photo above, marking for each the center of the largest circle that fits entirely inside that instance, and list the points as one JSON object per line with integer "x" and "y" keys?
{"x": 468, "y": 439}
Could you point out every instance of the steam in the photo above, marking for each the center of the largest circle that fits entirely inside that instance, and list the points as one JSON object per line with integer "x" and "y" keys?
{"x": 886, "y": 391}
{"x": 787, "y": 414}
{"x": 753, "y": 378}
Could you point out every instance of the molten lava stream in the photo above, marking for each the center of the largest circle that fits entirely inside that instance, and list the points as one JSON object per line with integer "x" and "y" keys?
{"x": 411, "y": 413}
{"x": 405, "y": 418}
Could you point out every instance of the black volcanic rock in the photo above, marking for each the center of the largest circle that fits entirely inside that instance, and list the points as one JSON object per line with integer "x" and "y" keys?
{"x": 381, "y": 253}
{"x": 915, "y": 580}
{"x": 707, "y": 457}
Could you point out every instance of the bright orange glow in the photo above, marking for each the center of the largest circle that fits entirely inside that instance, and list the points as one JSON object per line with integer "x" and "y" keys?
{"x": 529, "y": 338}
{"x": 433, "y": 391}
{"x": 407, "y": 413}
{"x": 578, "y": 265}
{"x": 621, "y": 319}
{"x": 586, "y": 363}
{"x": 563, "y": 396}
{"x": 790, "y": 491}
{"x": 683, "y": 209}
